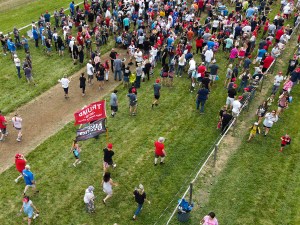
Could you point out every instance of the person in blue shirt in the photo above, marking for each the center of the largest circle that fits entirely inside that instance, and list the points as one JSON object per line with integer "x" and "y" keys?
{"x": 260, "y": 54}
{"x": 25, "y": 44}
{"x": 35, "y": 36}
{"x": 249, "y": 12}
{"x": 210, "y": 44}
{"x": 72, "y": 8}
{"x": 47, "y": 17}
{"x": 202, "y": 96}
{"x": 29, "y": 179}
{"x": 170, "y": 40}
{"x": 126, "y": 23}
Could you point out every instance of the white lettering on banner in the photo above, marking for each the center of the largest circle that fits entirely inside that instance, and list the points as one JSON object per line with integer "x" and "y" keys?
{"x": 91, "y": 128}
{"x": 89, "y": 110}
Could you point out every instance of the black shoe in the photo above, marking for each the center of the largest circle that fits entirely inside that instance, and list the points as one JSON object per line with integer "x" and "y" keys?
{"x": 152, "y": 106}
{"x": 155, "y": 164}
{"x": 162, "y": 163}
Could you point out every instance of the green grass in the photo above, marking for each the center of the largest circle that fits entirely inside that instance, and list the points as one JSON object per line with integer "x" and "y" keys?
{"x": 29, "y": 11}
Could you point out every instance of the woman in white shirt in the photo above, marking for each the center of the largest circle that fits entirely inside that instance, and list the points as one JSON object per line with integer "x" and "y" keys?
{"x": 17, "y": 124}
{"x": 107, "y": 184}
{"x": 270, "y": 119}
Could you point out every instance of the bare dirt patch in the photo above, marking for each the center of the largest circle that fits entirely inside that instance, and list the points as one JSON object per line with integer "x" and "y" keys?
{"x": 47, "y": 114}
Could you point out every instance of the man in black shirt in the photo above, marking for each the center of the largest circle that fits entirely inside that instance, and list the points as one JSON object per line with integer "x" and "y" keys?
{"x": 225, "y": 121}
{"x": 292, "y": 65}
{"x": 107, "y": 159}
{"x": 140, "y": 197}
{"x": 231, "y": 94}
{"x": 113, "y": 56}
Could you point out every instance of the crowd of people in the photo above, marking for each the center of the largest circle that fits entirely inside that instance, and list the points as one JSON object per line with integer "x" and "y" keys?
{"x": 170, "y": 34}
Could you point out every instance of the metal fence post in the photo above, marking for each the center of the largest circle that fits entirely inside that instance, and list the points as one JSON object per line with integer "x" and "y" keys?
{"x": 215, "y": 155}
{"x": 191, "y": 193}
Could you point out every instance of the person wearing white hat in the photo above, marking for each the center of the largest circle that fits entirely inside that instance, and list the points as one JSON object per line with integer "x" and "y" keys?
{"x": 89, "y": 199}
{"x": 140, "y": 197}
{"x": 254, "y": 129}
{"x": 159, "y": 150}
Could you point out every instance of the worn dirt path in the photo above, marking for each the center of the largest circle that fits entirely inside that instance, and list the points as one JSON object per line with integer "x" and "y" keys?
{"x": 47, "y": 114}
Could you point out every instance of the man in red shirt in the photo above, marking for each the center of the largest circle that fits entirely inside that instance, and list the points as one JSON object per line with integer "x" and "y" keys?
{"x": 285, "y": 140}
{"x": 267, "y": 62}
{"x": 2, "y": 126}
{"x": 278, "y": 35}
{"x": 159, "y": 150}
{"x": 201, "y": 72}
{"x": 20, "y": 162}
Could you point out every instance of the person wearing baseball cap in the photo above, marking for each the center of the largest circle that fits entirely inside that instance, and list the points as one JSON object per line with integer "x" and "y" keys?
{"x": 159, "y": 150}
{"x": 20, "y": 163}
{"x": 28, "y": 209}
{"x": 107, "y": 159}
{"x": 156, "y": 88}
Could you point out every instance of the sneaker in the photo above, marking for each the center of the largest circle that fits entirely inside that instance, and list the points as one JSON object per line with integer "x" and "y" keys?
{"x": 162, "y": 163}
{"x": 114, "y": 165}
{"x": 79, "y": 162}
{"x": 1, "y": 139}
{"x": 36, "y": 215}
{"x": 74, "y": 164}
{"x": 155, "y": 164}
{"x": 18, "y": 139}
{"x": 16, "y": 180}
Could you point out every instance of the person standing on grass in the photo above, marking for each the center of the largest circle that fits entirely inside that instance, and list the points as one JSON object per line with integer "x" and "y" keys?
{"x": 261, "y": 111}
{"x": 75, "y": 149}
{"x": 132, "y": 103}
{"x": 28, "y": 74}
{"x": 254, "y": 130}
{"x": 114, "y": 103}
{"x": 20, "y": 163}
{"x": 88, "y": 199}
{"x": 159, "y": 150}
{"x": 209, "y": 219}
{"x": 202, "y": 96}
{"x": 140, "y": 197}
{"x": 29, "y": 180}
{"x": 65, "y": 85}
{"x": 270, "y": 119}
{"x": 28, "y": 209}
{"x": 107, "y": 184}
{"x": 17, "y": 124}
{"x": 285, "y": 140}
{"x": 277, "y": 80}
{"x": 3, "y": 124}
{"x": 282, "y": 102}
{"x": 156, "y": 88}
{"x": 17, "y": 62}
{"x": 82, "y": 83}
{"x": 107, "y": 159}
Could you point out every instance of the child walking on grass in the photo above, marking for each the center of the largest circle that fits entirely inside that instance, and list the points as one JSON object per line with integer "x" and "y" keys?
{"x": 254, "y": 130}
{"x": 76, "y": 152}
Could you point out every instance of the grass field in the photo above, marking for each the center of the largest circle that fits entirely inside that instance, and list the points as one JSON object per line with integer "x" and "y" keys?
{"x": 29, "y": 10}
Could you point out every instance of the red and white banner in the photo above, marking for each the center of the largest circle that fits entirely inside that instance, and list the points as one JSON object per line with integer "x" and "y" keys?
{"x": 92, "y": 112}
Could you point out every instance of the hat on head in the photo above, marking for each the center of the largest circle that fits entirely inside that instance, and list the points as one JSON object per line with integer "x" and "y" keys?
{"x": 240, "y": 97}
{"x": 234, "y": 86}
{"x": 18, "y": 155}
{"x": 256, "y": 77}
{"x": 233, "y": 79}
{"x": 246, "y": 89}
{"x": 256, "y": 123}
{"x": 109, "y": 145}
{"x": 161, "y": 139}
{"x": 157, "y": 80}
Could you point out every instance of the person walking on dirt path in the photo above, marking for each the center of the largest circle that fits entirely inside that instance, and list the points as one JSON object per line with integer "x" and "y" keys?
{"x": 107, "y": 158}
{"x": 28, "y": 208}
{"x": 75, "y": 149}
{"x": 113, "y": 55}
{"x": 3, "y": 124}
{"x": 29, "y": 180}
{"x": 17, "y": 124}
{"x": 90, "y": 72}
{"x": 107, "y": 184}
{"x": 82, "y": 83}
{"x": 254, "y": 130}
{"x": 140, "y": 197}
{"x": 270, "y": 119}
{"x": 210, "y": 219}
{"x": 20, "y": 163}
{"x": 65, "y": 85}
{"x": 159, "y": 151}
{"x": 88, "y": 199}
{"x": 285, "y": 140}
{"x": 17, "y": 62}
{"x": 117, "y": 69}
{"x": 114, "y": 103}
{"x": 156, "y": 88}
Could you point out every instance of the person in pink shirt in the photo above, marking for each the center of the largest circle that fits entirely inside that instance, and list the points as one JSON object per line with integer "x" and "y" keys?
{"x": 210, "y": 219}
{"x": 233, "y": 54}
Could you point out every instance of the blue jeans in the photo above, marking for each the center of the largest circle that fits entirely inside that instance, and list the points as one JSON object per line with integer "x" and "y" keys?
{"x": 138, "y": 210}
{"x": 180, "y": 70}
{"x": 243, "y": 84}
{"x": 19, "y": 71}
{"x": 118, "y": 72}
{"x": 202, "y": 103}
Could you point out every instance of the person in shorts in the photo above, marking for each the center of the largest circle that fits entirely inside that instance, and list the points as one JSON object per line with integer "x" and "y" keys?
{"x": 3, "y": 124}
{"x": 75, "y": 149}
{"x": 231, "y": 94}
{"x": 29, "y": 179}
{"x": 114, "y": 103}
{"x": 285, "y": 140}
{"x": 107, "y": 159}
{"x": 159, "y": 151}
{"x": 132, "y": 103}
{"x": 156, "y": 88}
{"x": 65, "y": 85}
{"x": 28, "y": 209}
{"x": 17, "y": 124}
